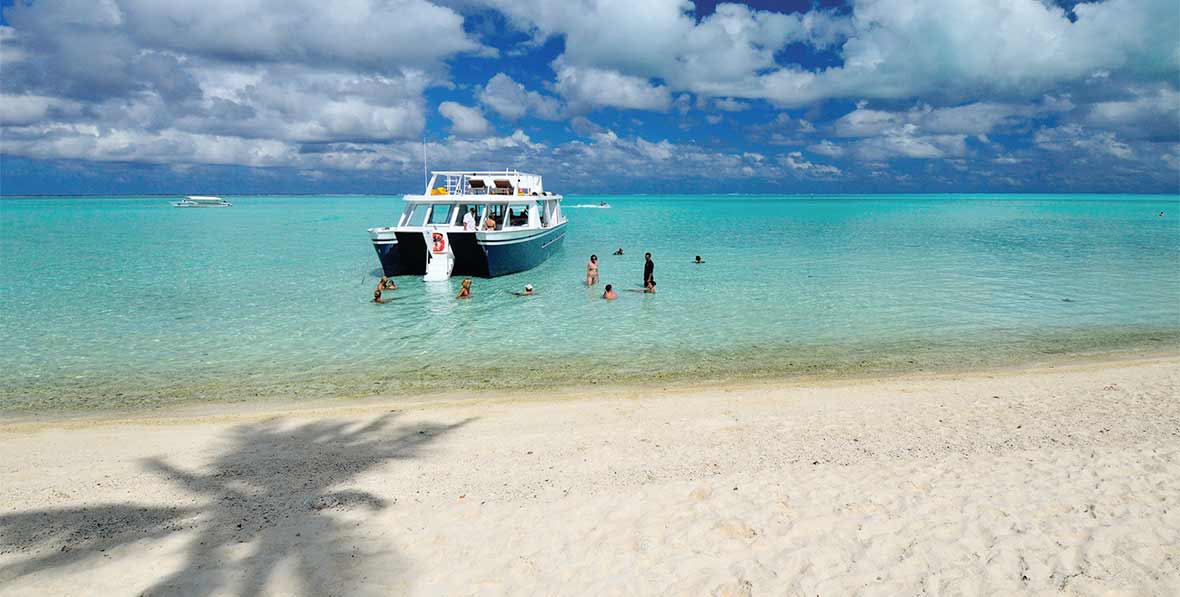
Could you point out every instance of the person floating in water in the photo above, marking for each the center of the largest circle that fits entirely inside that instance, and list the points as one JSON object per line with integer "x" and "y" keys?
{"x": 620, "y": 251}
{"x": 609, "y": 293}
{"x": 649, "y": 269}
{"x": 651, "y": 287}
{"x": 528, "y": 291}
{"x": 377, "y": 296}
{"x": 465, "y": 290}
{"x": 698, "y": 259}
{"x": 386, "y": 284}
{"x": 592, "y": 271}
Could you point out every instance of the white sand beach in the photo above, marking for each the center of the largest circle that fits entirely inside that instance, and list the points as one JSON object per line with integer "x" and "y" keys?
{"x": 1036, "y": 481}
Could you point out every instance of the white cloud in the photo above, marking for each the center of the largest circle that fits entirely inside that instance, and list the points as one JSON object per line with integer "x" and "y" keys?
{"x": 1151, "y": 113}
{"x": 587, "y": 88}
{"x": 799, "y": 164}
{"x": 906, "y": 142}
{"x": 465, "y": 121}
{"x": 511, "y": 100}
{"x": 86, "y": 142}
{"x": 951, "y": 49}
{"x": 827, "y": 148}
{"x": 27, "y": 109}
{"x": 373, "y": 34}
{"x": 979, "y": 118}
{"x": 729, "y": 104}
{"x": 1074, "y": 137}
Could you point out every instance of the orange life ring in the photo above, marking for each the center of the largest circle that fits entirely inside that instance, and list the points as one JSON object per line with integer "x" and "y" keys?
{"x": 440, "y": 244}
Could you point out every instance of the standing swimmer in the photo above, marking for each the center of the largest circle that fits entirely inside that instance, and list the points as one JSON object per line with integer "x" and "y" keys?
{"x": 592, "y": 271}
{"x": 465, "y": 290}
{"x": 649, "y": 268}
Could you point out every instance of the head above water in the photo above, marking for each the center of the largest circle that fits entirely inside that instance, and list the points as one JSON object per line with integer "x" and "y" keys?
{"x": 466, "y": 282}
{"x": 528, "y": 287}
{"x": 698, "y": 258}
{"x": 647, "y": 256}
{"x": 608, "y": 287}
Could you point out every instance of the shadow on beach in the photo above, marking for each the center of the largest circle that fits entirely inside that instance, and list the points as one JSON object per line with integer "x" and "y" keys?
{"x": 273, "y": 489}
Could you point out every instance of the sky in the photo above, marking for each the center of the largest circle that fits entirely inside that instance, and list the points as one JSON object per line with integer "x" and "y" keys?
{"x": 599, "y": 96}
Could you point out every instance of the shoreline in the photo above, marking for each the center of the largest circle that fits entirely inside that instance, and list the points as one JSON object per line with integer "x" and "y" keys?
{"x": 289, "y": 392}
{"x": 1055, "y": 478}
{"x": 261, "y": 407}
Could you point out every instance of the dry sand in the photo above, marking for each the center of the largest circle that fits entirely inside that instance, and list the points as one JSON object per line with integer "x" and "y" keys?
{"x": 1021, "y": 482}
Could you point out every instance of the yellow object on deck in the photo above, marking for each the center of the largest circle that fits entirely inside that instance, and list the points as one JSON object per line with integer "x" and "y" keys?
{"x": 439, "y": 191}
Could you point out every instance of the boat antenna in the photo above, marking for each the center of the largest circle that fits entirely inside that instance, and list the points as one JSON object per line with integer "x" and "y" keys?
{"x": 425, "y": 177}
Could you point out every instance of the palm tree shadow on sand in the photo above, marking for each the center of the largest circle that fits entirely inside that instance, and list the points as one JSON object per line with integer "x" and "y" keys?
{"x": 269, "y": 499}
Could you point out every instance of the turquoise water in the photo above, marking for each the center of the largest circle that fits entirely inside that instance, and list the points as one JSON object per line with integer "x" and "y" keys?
{"x": 128, "y": 301}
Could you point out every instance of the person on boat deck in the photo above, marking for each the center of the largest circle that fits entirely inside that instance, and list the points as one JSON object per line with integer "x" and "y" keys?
{"x": 469, "y": 221}
{"x": 377, "y": 296}
{"x": 592, "y": 271}
{"x": 609, "y": 293}
{"x": 649, "y": 268}
{"x": 386, "y": 284}
{"x": 465, "y": 290}
{"x": 490, "y": 222}
{"x": 620, "y": 251}
{"x": 698, "y": 260}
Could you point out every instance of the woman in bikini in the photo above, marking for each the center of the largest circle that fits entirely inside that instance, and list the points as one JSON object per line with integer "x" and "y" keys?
{"x": 465, "y": 291}
{"x": 592, "y": 271}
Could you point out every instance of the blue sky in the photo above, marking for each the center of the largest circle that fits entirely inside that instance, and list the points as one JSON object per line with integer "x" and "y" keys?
{"x": 306, "y": 96}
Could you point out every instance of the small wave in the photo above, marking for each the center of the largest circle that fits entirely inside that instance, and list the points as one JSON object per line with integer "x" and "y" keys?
{"x": 588, "y": 206}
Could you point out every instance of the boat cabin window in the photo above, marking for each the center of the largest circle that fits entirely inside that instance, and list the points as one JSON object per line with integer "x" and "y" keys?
{"x": 441, "y": 214}
{"x": 417, "y": 215}
{"x": 496, "y": 211}
{"x": 518, "y": 215}
{"x": 464, "y": 209}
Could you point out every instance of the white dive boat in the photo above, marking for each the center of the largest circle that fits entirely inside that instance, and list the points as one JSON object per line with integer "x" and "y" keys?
{"x": 202, "y": 201}
{"x": 518, "y": 225}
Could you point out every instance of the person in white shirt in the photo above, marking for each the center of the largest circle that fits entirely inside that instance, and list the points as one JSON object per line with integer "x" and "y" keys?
{"x": 469, "y": 221}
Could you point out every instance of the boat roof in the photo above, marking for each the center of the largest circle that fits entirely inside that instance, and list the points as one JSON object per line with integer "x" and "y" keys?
{"x": 480, "y": 199}
{"x": 482, "y": 173}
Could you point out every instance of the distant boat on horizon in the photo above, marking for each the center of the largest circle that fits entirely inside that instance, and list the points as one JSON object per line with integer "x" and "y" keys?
{"x": 202, "y": 201}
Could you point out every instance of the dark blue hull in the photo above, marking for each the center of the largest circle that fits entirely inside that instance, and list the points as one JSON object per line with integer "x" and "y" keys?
{"x": 473, "y": 257}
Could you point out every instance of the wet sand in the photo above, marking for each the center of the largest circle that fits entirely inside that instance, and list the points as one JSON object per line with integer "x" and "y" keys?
{"x": 1008, "y": 482}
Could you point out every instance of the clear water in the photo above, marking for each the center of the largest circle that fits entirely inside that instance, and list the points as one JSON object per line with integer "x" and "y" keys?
{"x": 128, "y": 301}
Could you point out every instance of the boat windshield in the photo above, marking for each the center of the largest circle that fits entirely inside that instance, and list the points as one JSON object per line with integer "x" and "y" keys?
{"x": 441, "y": 215}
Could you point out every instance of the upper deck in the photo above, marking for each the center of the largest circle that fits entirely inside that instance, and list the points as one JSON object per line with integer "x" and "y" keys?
{"x": 493, "y": 186}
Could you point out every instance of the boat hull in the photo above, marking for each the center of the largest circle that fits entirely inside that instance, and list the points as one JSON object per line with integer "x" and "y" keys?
{"x": 477, "y": 257}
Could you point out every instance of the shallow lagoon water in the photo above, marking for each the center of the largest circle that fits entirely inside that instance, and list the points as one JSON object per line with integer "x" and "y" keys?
{"x": 127, "y": 301}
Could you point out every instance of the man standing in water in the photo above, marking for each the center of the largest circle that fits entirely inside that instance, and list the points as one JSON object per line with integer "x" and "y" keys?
{"x": 649, "y": 268}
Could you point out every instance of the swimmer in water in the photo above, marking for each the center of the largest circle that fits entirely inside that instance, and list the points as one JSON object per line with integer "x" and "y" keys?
{"x": 377, "y": 296}
{"x": 465, "y": 290}
{"x": 386, "y": 284}
{"x": 698, "y": 260}
{"x": 592, "y": 271}
{"x": 620, "y": 251}
{"x": 528, "y": 291}
{"x": 609, "y": 293}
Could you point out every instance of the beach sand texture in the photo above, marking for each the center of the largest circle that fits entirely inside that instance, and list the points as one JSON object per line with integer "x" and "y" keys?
{"x": 1047, "y": 481}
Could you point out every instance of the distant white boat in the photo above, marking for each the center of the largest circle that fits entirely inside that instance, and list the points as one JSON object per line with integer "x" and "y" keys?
{"x": 202, "y": 201}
